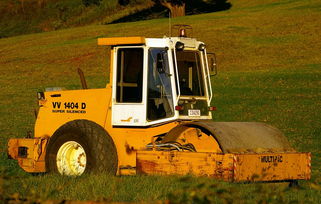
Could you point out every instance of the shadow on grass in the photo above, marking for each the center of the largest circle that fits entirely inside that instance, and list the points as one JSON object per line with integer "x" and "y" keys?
{"x": 193, "y": 7}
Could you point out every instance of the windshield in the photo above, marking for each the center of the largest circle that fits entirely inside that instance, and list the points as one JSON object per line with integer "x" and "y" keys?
{"x": 190, "y": 74}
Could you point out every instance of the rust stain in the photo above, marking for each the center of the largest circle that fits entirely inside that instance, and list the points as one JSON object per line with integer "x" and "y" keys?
{"x": 145, "y": 166}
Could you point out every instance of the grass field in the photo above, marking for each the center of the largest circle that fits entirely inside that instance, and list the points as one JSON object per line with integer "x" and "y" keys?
{"x": 269, "y": 70}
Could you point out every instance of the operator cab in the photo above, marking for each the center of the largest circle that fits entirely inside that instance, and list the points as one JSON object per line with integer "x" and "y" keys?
{"x": 159, "y": 80}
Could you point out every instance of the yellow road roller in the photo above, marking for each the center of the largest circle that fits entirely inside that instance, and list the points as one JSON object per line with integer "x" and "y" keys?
{"x": 153, "y": 117}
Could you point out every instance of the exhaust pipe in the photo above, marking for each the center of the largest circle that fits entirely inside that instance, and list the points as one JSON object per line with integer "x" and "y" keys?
{"x": 82, "y": 79}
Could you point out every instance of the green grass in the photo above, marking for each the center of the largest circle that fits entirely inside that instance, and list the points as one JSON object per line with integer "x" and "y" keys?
{"x": 269, "y": 71}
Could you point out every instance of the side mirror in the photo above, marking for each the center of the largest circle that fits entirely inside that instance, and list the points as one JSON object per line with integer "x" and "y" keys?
{"x": 211, "y": 58}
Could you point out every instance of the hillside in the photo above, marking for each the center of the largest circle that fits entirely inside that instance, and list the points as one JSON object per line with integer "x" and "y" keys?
{"x": 269, "y": 71}
{"x": 34, "y": 16}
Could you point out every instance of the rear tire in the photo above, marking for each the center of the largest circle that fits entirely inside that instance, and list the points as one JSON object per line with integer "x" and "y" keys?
{"x": 79, "y": 147}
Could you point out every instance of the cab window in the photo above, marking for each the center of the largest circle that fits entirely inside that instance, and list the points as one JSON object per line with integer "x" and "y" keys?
{"x": 190, "y": 73}
{"x": 129, "y": 75}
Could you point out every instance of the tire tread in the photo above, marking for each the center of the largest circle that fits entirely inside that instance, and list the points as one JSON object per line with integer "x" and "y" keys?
{"x": 102, "y": 147}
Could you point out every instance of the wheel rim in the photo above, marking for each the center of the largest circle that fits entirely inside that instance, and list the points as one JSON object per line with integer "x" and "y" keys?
{"x": 71, "y": 159}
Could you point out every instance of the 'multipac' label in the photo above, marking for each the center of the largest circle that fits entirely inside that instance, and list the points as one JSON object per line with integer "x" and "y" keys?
{"x": 271, "y": 159}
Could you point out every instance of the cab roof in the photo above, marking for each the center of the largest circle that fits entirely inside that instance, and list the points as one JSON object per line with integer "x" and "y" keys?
{"x": 121, "y": 41}
{"x": 189, "y": 43}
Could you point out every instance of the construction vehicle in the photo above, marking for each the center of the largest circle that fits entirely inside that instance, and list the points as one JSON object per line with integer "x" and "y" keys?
{"x": 153, "y": 117}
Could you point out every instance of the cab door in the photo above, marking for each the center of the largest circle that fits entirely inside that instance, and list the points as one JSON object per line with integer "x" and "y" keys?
{"x": 160, "y": 101}
{"x": 129, "y": 108}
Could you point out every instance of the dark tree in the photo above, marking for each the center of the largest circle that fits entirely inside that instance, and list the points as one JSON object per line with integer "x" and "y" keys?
{"x": 123, "y": 2}
{"x": 182, "y": 7}
{"x": 177, "y": 7}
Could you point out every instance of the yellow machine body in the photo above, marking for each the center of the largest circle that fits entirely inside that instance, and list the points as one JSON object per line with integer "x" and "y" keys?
{"x": 212, "y": 155}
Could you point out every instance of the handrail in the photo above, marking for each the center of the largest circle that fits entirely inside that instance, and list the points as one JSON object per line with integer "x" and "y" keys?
{"x": 177, "y": 79}
{"x": 208, "y": 77}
